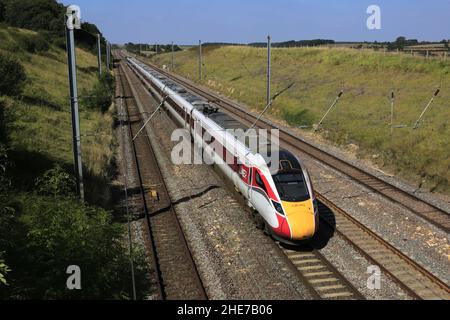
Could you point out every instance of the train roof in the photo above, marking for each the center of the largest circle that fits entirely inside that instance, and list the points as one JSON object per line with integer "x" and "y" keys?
{"x": 288, "y": 161}
{"x": 226, "y": 121}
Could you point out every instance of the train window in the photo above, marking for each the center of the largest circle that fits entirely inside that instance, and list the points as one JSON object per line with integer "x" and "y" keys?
{"x": 259, "y": 181}
{"x": 291, "y": 186}
{"x": 209, "y": 139}
{"x": 285, "y": 165}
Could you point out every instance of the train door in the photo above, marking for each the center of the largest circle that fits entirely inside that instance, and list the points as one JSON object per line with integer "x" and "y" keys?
{"x": 191, "y": 124}
{"x": 186, "y": 117}
{"x": 250, "y": 180}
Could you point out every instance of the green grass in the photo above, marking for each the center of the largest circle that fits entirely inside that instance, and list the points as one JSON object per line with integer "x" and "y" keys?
{"x": 363, "y": 115}
{"x": 41, "y": 132}
{"x": 46, "y": 229}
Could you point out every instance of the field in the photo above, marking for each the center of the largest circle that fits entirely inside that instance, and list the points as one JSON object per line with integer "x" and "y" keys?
{"x": 362, "y": 117}
{"x": 40, "y": 130}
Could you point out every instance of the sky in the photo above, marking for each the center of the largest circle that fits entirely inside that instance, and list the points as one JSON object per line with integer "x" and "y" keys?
{"x": 244, "y": 21}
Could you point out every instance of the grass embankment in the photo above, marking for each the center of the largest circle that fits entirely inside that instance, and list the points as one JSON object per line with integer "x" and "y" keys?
{"x": 44, "y": 229}
{"x": 363, "y": 115}
{"x": 40, "y": 132}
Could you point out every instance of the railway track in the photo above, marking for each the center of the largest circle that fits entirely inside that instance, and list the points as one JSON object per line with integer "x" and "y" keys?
{"x": 416, "y": 280}
{"x": 317, "y": 273}
{"x": 431, "y": 213}
{"x": 176, "y": 273}
{"x": 329, "y": 283}
{"x": 320, "y": 275}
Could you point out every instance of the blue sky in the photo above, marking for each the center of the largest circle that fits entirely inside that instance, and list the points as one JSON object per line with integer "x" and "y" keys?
{"x": 187, "y": 21}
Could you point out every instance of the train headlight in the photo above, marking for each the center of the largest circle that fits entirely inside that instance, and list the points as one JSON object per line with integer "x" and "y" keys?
{"x": 278, "y": 207}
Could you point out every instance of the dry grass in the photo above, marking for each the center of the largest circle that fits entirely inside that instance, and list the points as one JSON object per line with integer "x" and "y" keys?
{"x": 362, "y": 117}
{"x": 42, "y": 119}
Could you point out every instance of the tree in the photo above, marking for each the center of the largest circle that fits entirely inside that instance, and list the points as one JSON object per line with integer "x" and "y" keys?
{"x": 4, "y": 179}
{"x": 2, "y": 11}
{"x": 43, "y": 15}
{"x": 87, "y": 36}
{"x": 36, "y": 15}
{"x": 3, "y": 271}
{"x": 13, "y": 76}
{"x": 56, "y": 182}
{"x": 2, "y": 123}
{"x": 44, "y": 236}
{"x": 5, "y": 211}
{"x": 400, "y": 43}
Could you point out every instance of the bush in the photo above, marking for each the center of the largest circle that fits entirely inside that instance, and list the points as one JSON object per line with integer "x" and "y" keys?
{"x": 84, "y": 38}
{"x": 60, "y": 43}
{"x": 4, "y": 164}
{"x": 2, "y": 123}
{"x": 13, "y": 76}
{"x": 2, "y": 11}
{"x": 57, "y": 183}
{"x": 5, "y": 211}
{"x": 43, "y": 15}
{"x": 40, "y": 44}
{"x": 101, "y": 96}
{"x": 40, "y": 236}
{"x": 33, "y": 44}
{"x": 107, "y": 80}
{"x": 45, "y": 236}
{"x": 34, "y": 15}
{"x": 3, "y": 271}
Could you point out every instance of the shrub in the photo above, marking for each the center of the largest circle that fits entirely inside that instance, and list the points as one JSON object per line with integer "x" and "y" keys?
{"x": 100, "y": 97}
{"x": 33, "y": 44}
{"x": 4, "y": 164}
{"x": 41, "y": 45}
{"x": 56, "y": 182}
{"x": 13, "y": 76}
{"x": 45, "y": 236}
{"x": 108, "y": 80}
{"x": 5, "y": 211}
{"x": 2, "y": 11}
{"x": 2, "y": 122}
{"x": 3, "y": 271}
{"x": 43, "y": 15}
{"x": 60, "y": 43}
{"x": 34, "y": 15}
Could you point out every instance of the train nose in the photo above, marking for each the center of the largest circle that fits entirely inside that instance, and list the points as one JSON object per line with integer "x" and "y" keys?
{"x": 301, "y": 219}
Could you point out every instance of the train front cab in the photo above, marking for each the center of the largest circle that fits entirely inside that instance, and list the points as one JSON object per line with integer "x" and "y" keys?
{"x": 295, "y": 213}
{"x": 297, "y": 204}
{"x": 297, "y": 197}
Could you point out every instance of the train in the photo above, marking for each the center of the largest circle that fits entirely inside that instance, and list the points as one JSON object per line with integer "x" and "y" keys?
{"x": 283, "y": 201}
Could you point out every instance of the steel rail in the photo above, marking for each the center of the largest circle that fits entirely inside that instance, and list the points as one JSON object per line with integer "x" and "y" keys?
{"x": 180, "y": 243}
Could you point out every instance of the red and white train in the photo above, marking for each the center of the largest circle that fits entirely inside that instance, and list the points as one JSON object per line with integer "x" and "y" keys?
{"x": 284, "y": 200}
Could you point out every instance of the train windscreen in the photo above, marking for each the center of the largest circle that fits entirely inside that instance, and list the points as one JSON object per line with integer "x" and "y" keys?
{"x": 291, "y": 186}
